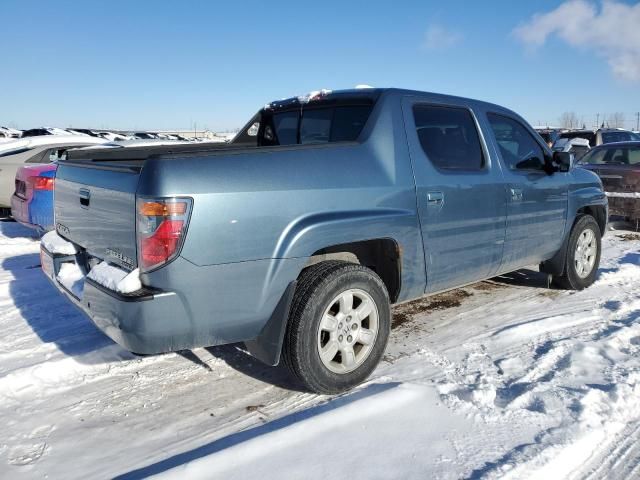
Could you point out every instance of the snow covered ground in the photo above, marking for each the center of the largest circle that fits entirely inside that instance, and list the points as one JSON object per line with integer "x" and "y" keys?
{"x": 502, "y": 379}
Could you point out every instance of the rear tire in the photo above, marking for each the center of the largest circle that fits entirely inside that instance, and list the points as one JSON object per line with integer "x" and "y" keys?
{"x": 583, "y": 255}
{"x": 338, "y": 327}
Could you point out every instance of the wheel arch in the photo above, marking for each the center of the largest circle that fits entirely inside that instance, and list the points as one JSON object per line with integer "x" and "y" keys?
{"x": 556, "y": 264}
{"x": 359, "y": 236}
{"x": 382, "y": 255}
{"x": 598, "y": 212}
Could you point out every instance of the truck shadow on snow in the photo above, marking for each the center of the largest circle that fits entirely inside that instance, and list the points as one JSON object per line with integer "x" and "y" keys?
{"x": 524, "y": 277}
{"x": 246, "y": 435}
{"x": 51, "y": 317}
{"x": 236, "y": 357}
{"x": 55, "y": 320}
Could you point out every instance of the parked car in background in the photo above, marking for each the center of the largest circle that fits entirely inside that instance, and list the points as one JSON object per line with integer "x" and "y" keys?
{"x": 145, "y": 135}
{"x": 618, "y": 166}
{"x": 577, "y": 146}
{"x": 6, "y": 132}
{"x": 114, "y": 137}
{"x": 107, "y": 135}
{"x": 549, "y": 135}
{"x": 32, "y": 150}
{"x": 601, "y": 135}
{"x": 298, "y": 235}
{"x": 37, "y": 132}
{"x": 32, "y": 201}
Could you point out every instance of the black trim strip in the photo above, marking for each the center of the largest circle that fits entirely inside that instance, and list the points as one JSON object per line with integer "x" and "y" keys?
{"x": 141, "y": 295}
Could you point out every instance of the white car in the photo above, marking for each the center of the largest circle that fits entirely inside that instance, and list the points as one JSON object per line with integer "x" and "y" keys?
{"x": 9, "y": 133}
{"x": 32, "y": 150}
{"x": 578, "y": 146}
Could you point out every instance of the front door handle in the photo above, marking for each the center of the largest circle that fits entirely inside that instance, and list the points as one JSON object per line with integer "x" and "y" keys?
{"x": 516, "y": 194}
{"x": 435, "y": 198}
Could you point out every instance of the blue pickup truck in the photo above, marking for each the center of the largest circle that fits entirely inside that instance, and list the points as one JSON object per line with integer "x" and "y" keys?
{"x": 296, "y": 237}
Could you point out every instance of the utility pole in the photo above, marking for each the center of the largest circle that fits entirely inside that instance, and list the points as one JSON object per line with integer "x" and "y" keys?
{"x": 637, "y": 121}
{"x": 597, "y": 120}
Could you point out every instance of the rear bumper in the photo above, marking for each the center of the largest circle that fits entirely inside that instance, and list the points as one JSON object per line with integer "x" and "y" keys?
{"x": 626, "y": 204}
{"x": 190, "y": 306}
{"x": 146, "y": 322}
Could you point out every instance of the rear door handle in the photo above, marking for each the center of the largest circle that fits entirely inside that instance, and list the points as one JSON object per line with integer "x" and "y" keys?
{"x": 435, "y": 198}
{"x": 516, "y": 194}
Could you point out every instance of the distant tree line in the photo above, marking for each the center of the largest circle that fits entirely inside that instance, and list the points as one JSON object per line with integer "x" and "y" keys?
{"x": 611, "y": 120}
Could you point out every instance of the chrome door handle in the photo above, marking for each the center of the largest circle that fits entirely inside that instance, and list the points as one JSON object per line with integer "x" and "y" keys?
{"x": 516, "y": 194}
{"x": 435, "y": 198}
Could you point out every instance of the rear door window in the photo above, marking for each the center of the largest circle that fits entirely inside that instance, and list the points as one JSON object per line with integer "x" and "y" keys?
{"x": 449, "y": 137}
{"x": 623, "y": 156}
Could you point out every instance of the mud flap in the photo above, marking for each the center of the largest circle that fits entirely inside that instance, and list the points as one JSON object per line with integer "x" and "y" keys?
{"x": 555, "y": 265}
{"x": 267, "y": 346}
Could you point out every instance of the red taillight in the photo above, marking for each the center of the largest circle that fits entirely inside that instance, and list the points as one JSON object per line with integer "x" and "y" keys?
{"x": 162, "y": 244}
{"x": 43, "y": 183}
{"x": 161, "y": 229}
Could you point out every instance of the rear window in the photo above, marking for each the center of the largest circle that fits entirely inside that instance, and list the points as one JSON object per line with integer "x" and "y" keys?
{"x": 306, "y": 125}
{"x": 591, "y": 136}
{"x": 611, "y": 137}
{"x": 318, "y": 125}
{"x": 286, "y": 128}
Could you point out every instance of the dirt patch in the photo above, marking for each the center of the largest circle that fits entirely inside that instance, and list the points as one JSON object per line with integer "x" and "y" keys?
{"x": 629, "y": 237}
{"x": 403, "y": 313}
{"x": 253, "y": 408}
{"x": 487, "y": 286}
{"x": 550, "y": 293}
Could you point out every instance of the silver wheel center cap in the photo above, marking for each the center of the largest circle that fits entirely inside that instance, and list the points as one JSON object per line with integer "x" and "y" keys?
{"x": 347, "y": 331}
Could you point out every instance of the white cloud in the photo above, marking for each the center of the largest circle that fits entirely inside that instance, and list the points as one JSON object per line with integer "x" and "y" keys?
{"x": 438, "y": 37}
{"x": 611, "y": 31}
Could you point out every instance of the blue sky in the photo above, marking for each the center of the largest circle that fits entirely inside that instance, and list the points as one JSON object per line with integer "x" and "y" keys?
{"x": 162, "y": 65}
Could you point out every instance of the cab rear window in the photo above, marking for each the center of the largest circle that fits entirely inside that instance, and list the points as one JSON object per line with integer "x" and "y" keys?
{"x": 316, "y": 125}
{"x": 307, "y": 125}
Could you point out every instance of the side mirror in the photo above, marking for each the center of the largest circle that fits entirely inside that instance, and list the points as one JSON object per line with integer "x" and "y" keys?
{"x": 564, "y": 160}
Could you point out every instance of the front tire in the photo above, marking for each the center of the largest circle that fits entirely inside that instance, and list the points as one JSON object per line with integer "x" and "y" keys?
{"x": 338, "y": 328}
{"x": 583, "y": 255}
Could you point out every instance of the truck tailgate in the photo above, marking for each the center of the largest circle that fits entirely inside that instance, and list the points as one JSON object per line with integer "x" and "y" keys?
{"x": 95, "y": 208}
